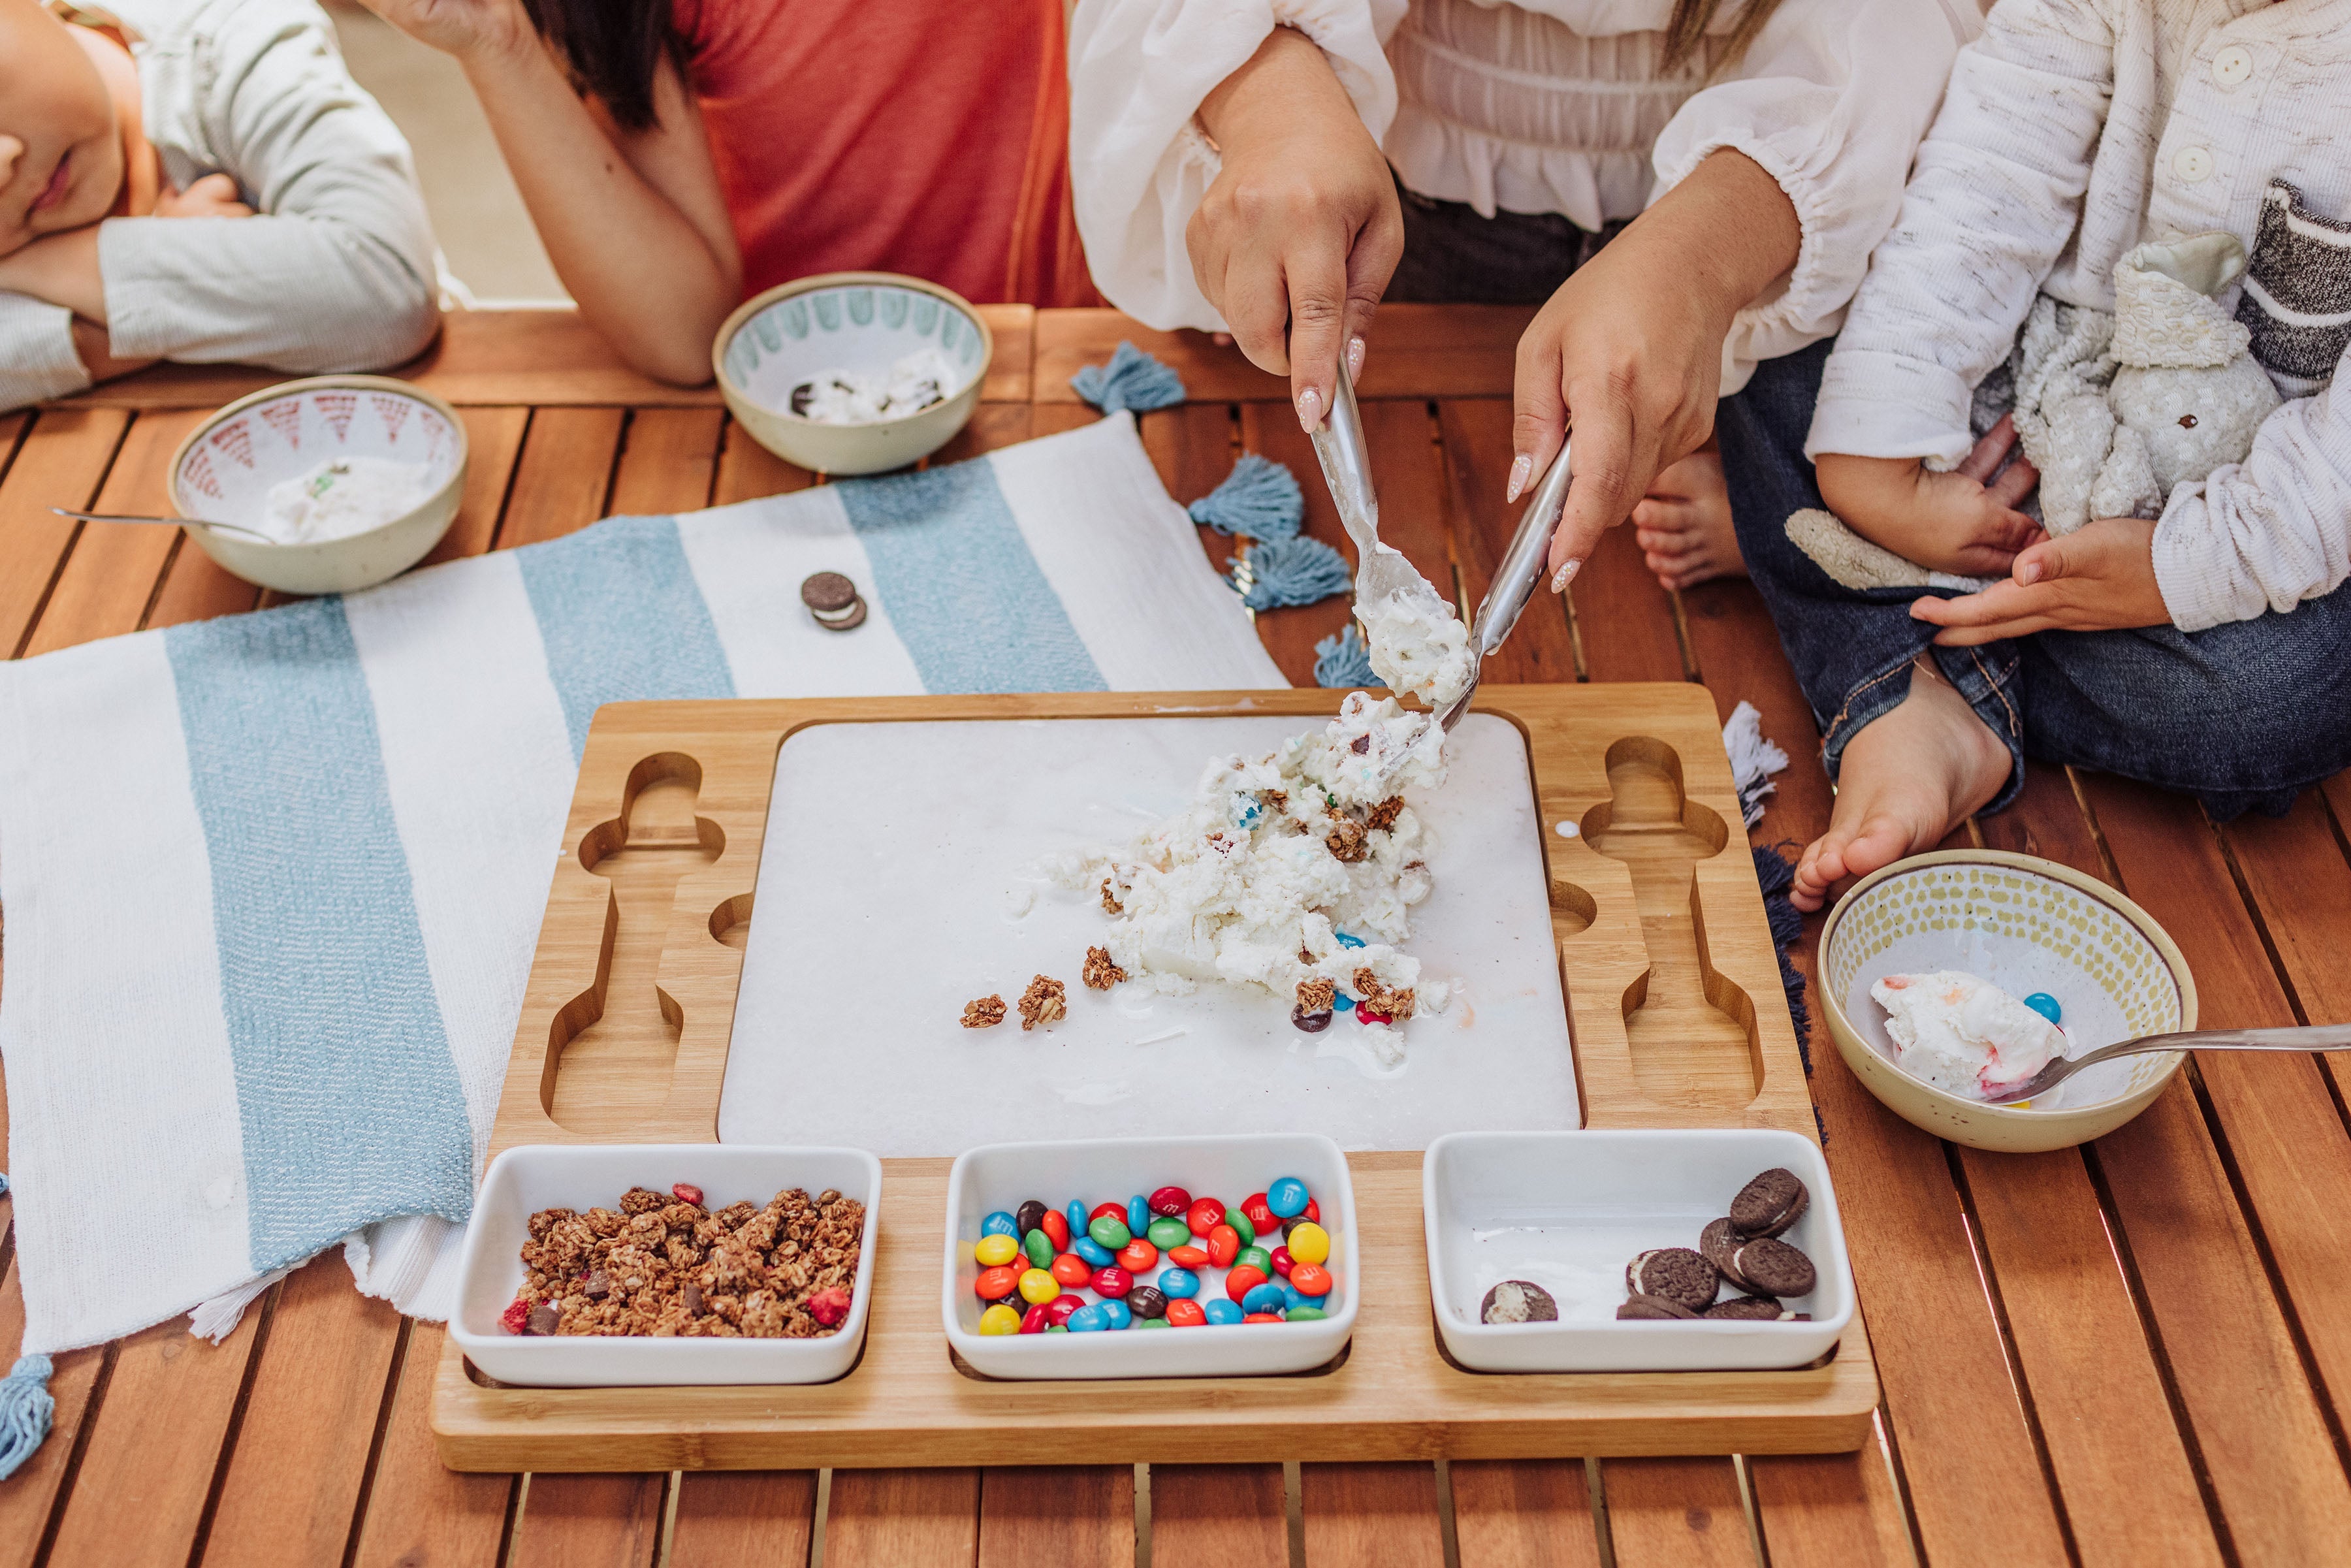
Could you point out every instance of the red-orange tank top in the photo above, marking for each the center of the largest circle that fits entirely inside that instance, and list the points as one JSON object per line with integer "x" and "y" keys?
{"x": 928, "y": 137}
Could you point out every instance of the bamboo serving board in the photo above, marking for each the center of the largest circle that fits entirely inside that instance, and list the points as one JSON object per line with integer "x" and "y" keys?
{"x": 1673, "y": 989}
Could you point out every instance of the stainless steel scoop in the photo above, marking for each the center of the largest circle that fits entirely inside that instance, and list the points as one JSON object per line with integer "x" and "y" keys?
{"x": 1514, "y": 582}
{"x": 1380, "y": 570}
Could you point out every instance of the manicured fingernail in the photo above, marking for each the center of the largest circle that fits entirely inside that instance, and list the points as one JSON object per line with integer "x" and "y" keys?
{"x": 1309, "y": 409}
{"x": 2028, "y": 572}
{"x": 1354, "y": 358}
{"x": 1565, "y": 574}
{"x": 1521, "y": 466}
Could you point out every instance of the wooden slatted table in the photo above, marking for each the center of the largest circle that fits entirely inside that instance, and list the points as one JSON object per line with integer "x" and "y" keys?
{"x": 2135, "y": 1353}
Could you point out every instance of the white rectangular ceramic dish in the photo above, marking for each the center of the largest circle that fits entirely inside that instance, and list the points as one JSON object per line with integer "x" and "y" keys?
{"x": 1102, "y": 1170}
{"x": 1568, "y": 1210}
{"x": 593, "y": 1175}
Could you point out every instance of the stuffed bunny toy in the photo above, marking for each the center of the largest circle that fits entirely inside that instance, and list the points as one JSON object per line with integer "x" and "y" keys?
{"x": 2114, "y": 410}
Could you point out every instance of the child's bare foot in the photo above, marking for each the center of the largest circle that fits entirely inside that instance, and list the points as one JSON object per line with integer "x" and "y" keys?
{"x": 1684, "y": 523}
{"x": 1910, "y": 777}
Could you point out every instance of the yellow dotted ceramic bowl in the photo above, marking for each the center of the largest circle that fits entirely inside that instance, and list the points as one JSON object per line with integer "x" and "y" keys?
{"x": 2026, "y": 925}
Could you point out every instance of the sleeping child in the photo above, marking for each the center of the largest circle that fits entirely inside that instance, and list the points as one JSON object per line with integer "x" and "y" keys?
{"x": 198, "y": 181}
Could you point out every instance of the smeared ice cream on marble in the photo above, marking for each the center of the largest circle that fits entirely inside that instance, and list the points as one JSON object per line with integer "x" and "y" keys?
{"x": 1417, "y": 645}
{"x": 1248, "y": 885}
{"x": 1963, "y": 1034}
{"x": 846, "y": 397}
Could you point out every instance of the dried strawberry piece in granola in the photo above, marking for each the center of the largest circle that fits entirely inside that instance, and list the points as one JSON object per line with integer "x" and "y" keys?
{"x": 515, "y": 1319}
{"x": 687, "y": 1192}
{"x": 829, "y": 1306}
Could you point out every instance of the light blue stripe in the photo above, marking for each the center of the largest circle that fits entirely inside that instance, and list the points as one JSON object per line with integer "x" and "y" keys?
{"x": 966, "y": 597}
{"x": 621, "y": 619}
{"x": 350, "y": 1105}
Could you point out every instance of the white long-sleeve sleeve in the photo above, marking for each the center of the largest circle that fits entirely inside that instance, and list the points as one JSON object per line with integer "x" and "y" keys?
{"x": 38, "y": 358}
{"x": 2272, "y": 532}
{"x": 1832, "y": 100}
{"x": 1996, "y": 195}
{"x": 1139, "y": 70}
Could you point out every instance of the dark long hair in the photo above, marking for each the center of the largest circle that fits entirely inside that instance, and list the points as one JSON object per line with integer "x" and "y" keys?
{"x": 612, "y": 50}
{"x": 1688, "y": 24}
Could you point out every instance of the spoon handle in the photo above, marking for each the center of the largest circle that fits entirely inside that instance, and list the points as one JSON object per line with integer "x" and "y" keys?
{"x": 162, "y": 522}
{"x": 2317, "y": 1037}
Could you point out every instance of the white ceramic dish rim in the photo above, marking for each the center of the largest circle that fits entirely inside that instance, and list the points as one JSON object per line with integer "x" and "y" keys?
{"x": 1339, "y": 1327}
{"x": 1823, "y": 1202}
{"x": 2174, "y": 962}
{"x": 389, "y": 385}
{"x": 683, "y": 1351}
{"x": 740, "y": 321}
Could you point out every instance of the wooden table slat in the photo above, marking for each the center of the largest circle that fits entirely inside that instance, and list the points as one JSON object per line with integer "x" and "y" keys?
{"x": 1624, "y": 617}
{"x": 1676, "y": 1513}
{"x": 494, "y": 438}
{"x": 61, "y": 464}
{"x": 1477, "y": 436}
{"x": 1412, "y": 351}
{"x": 565, "y": 474}
{"x": 31, "y": 1496}
{"x": 1073, "y": 1516}
{"x": 1838, "y": 1510}
{"x": 104, "y": 585}
{"x": 902, "y": 1519}
{"x": 1220, "y": 1516}
{"x": 1271, "y": 430}
{"x": 743, "y": 1519}
{"x": 2296, "y": 871}
{"x": 420, "y": 1514}
{"x": 748, "y": 471}
{"x": 1524, "y": 1513}
{"x": 589, "y": 1521}
{"x": 1371, "y": 1515}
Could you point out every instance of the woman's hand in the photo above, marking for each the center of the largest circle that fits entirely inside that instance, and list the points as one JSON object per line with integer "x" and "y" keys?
{"x": 1629, "y": 349}
{"x": 1964, "y": 521}
{"x": 1297, "y": 235}
{"x": 460, "y": 26}
{"x": 2100, "y": 577}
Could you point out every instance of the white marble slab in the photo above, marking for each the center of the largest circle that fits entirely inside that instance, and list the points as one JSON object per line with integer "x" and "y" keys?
{"x": 898, "y": 881}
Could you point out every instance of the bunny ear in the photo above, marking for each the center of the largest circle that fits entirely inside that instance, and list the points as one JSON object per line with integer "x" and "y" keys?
{"x": 2165, "y": 317}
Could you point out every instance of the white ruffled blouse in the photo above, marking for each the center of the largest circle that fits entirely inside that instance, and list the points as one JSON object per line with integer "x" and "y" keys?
{"x": 1554, "y": 105}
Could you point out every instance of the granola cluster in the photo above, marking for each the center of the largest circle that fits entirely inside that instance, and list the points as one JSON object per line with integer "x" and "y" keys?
{"x": 1100, "y": 973}
{"x": 1380, "y": 1003}
{"x": 985, "y": 1013}
{"x": 662, "y": 1265}
{"x": 1042, "y": 1002}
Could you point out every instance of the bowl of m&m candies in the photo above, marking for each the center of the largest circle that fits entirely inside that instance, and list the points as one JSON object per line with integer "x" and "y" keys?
{"x": 1198, "y": 1257}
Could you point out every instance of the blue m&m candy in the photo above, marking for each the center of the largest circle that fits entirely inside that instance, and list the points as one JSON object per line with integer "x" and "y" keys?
{"x": 1116, "y": 1314}
{"x": 1178, "y": 1284}
{"x": 2047, "y": 1006}
{"x": 1221, "y": 1312}
{"x": 1269, "y": 1297}
{"x": 1138, "y": 1214}
{"x": 1088, "y": 1320}
{"x": 1287, "y": 1197}
{"x": 1000, "y": 1224}
{"x": 1092, "y": 1250}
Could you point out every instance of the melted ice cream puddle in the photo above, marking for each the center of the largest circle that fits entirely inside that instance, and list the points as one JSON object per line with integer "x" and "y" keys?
{"x": 845, "y": 397}
{"x": 1962, "y": 1034}
{"x": 1295, "y": 867}
{"x": 342, "y": 496}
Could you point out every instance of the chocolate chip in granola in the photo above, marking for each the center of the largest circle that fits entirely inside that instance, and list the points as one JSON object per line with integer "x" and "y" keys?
{"x": 692, "y": 1296}
{"x": 543, "y": 1319}
{"x": 598, "y": 1285}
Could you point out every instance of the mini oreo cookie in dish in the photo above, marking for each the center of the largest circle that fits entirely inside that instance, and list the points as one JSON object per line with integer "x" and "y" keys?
{"x": 1637, "y": 1307}
{"x": 1774, "y": 1268}
{"x": 834, "y": 600}
{"x": 1518, "y": 1302}
{"x": 1717, "y": 1242}
{"x": 1750, "y": 1308}
{"x": 1674, "y": 1274}
{"x": 1770, "y": 1204}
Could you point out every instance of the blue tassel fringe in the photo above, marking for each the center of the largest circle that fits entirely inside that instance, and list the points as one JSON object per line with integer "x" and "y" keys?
{"x": 1340, "y": 661}
{"x": 26, "y": 1411}
{"x": 1132, "y": 379}
{"x": 1297, "y": 571}
{"x": 1260, "y": 499}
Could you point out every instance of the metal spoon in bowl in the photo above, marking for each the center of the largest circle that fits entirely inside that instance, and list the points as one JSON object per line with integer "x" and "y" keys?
{"x": 2320, "y": 1036}
{"x": 238, "y": 528}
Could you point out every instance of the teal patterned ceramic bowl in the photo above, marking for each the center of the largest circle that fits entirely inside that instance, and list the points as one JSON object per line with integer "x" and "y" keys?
{"x": 863, "y": 323}
{"x": 2026, "y": 925}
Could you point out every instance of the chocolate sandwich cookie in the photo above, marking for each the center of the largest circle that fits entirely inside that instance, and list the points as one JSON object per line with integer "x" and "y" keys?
{"x": 1639, "y": 1306}
{"x": 834, "y": 599}
{"x": 1754, "y": 1309}
{"x": 1770, "y": 1204}
{"x": 1674, "y": 1274}
{"x": 1518, "y": 1302}
{"x": 1717, "y": 1242}
{"x": 1775, "y": 1268}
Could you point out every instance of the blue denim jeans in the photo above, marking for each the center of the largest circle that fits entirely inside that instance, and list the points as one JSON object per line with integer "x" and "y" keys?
{"x": 2241, "y": 716}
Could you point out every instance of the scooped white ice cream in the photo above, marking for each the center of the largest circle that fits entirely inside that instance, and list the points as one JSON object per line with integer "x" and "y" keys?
{"x": 847, "y": 397}
{"x": 1963, "y": 1034}
{"x": 342, "y": 496}
{"x": 1296, "y": 867}
{"x": 1418, "y": 645}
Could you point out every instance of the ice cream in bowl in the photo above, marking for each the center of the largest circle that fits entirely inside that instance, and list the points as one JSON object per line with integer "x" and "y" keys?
{"x": 1951, "y": 976}
{"x": 333, "y": 484}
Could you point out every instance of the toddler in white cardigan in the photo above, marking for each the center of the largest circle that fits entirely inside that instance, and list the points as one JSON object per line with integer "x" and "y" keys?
{"x": 2073, "y": 133}
{"x": 198, "y": 180}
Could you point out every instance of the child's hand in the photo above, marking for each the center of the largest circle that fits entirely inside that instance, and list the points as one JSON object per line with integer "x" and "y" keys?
{"x": 2100, "y": 577}
{"x": 214, "y": 197}
{"x": 460, "y": 26}
{"x": 1954, "y": 522}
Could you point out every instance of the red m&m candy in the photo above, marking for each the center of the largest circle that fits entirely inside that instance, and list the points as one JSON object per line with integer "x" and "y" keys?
{"x": 1282, "y": 1261}
{"x": 1057, "y": 1309}
{"x": 1111, "y": 1280}
{"x": 1243, "y": 1279}
{"x": 1072, "y": 1270}
{"x": 1098, "y": 1210}
{"x": 1260, "y": 1214}
{"x": 1170, "y": 1201}
{"x": 1034, "y": 1320}
{"x": 1224, "y": 1244}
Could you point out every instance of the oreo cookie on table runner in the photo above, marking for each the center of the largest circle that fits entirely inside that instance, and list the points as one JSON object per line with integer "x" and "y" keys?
{"x": 1674, "y": 1274}
{"x": 1770, "y": 1204}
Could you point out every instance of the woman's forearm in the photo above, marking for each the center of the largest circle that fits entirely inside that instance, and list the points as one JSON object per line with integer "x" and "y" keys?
{"x": 1728, "y": 229}
{"x": 644, "y": 276}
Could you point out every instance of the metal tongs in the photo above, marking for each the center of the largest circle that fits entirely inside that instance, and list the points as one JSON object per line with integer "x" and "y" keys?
{"x": 1384, "y": 572}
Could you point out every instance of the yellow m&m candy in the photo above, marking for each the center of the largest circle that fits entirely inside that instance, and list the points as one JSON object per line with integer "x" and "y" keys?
{"x": 1309, "y": 1243}
{"x": 995, "y": 1249}
{"x": 999, "y": 1319}
{"x": 1038, "y": 1286}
